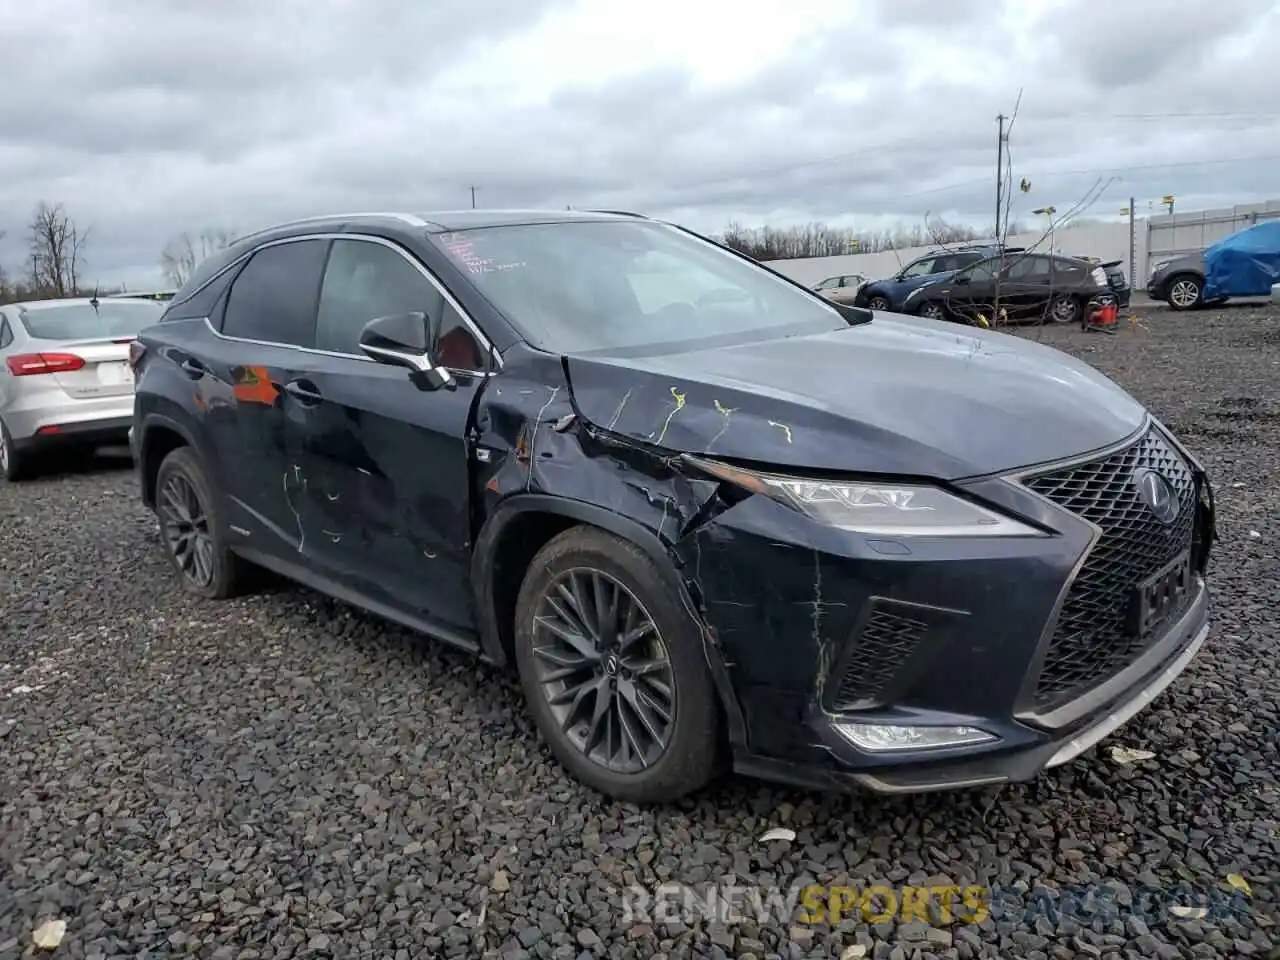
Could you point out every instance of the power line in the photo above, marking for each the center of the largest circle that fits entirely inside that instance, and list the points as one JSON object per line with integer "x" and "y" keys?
{"x": 1224, "y": 115}
{"x": 1096, "y": 171}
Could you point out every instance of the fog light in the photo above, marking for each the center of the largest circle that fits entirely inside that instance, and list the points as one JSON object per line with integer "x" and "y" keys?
{"x": 881, "y": 737}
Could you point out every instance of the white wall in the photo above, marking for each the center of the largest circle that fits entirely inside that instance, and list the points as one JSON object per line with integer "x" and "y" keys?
{"x": 1164, "y": 235}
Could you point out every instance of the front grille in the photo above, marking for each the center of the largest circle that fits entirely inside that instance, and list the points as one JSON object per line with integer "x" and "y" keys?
{"x": 1091, "y": 641}
{"x": 884, "y": 646}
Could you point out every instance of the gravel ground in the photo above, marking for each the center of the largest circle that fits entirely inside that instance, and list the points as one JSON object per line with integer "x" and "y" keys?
{"x": 282, "y": 776}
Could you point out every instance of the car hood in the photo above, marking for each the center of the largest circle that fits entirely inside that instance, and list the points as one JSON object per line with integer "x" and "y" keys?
{"x": 898, "y": 395}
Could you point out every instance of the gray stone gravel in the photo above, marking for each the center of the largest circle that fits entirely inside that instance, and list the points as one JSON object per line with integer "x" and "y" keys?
{"x": 281, "y": 776}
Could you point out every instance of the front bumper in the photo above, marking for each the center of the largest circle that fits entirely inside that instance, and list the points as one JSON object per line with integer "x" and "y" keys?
{"x": 961, "y": 635}
{"x": 999, "y": 764}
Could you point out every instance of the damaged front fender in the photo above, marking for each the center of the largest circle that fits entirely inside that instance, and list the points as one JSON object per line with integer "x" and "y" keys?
{"x": 540, "y": 468}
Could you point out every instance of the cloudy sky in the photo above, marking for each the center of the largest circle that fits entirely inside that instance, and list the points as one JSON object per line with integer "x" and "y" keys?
{"x": 146, "y": 118}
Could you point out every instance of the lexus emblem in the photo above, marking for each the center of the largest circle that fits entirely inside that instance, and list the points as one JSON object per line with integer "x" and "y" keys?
{"x": 1158, "y": 494}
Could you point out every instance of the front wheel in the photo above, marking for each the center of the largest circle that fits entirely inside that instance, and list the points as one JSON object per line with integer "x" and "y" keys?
{"x": 1184, "y": 293}
{"x": 878, "y": 303}
{"x": 613, "y": 670}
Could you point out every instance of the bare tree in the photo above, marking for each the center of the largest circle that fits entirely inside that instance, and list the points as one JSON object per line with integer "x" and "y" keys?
{"x": 821, "y": 240}
{"x": 182, "y": 254}
{"x": 55, "y": 244}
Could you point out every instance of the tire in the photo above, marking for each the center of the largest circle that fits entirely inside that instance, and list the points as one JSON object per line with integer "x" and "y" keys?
{"x": 1185, "y": 292}
{"x": 932, "y": 310}
{"x": 692, "y": 752}
{"x": 220, "y": 573}
{"x": 14, "y": 465}
{"x": 1064, "y": 309}
{"x": 879, "y": 303}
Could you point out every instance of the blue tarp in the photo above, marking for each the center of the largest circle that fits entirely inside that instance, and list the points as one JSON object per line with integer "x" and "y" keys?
{"x": 1245, "y": 264}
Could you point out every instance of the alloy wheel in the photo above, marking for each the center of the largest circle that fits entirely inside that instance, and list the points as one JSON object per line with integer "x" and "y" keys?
{"x": 1184, "y": 293}
{"x": 931, "y": 310}
{"x": 878, "y": 303}
{"x": 186, "y": 529}
{"x": 1063, "y": 310}
{"x": 4, "y": 450}
{"x": 604, "y": 669}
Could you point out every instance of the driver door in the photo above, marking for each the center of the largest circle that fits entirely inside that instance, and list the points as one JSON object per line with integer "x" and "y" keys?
{"x": 388, "y": 492}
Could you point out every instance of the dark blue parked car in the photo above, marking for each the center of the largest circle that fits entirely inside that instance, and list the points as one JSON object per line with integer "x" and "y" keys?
{"x": 891, "y": 293}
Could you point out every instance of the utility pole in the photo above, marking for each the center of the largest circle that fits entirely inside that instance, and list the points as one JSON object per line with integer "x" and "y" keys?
{"x": 999, "y": 172}
{"x": 473, "y": 197}
{"x": 1167, "y": 200}
{"x": 1133, "y": 247}
{"x": 995, "y": 306}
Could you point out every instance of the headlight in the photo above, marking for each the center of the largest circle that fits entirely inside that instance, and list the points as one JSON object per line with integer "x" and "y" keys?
{"x": 1159, "y": 266}
{"x": 876, "y": 509}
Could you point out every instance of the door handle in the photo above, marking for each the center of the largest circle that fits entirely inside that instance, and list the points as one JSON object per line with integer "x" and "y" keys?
{"x": 193, "y": 368}
{"x": 304, "y": 391}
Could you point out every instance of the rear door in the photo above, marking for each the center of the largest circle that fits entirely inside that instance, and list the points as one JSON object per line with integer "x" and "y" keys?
{"x": 1028, "y": 283}
{"x": 243, "y": 373}
{"x": 385, "y": 463}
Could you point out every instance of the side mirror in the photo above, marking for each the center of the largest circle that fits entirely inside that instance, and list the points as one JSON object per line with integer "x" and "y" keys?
{"x": 407, "y": 340}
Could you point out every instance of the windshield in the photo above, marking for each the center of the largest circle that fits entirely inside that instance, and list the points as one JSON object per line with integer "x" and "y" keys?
{"x": 609, "y": 286}
{"x": 80, "y": 321}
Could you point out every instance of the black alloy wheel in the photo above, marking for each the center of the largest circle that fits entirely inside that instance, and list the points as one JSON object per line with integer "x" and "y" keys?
{"x": 614, "y": 671}
{"x": 190, "y": 528}
{"x": 604, "y": 670}
{"x": 186, "y": 529}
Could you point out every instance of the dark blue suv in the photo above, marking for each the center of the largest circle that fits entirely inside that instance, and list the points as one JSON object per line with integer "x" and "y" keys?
{"x": 891, "y": 293}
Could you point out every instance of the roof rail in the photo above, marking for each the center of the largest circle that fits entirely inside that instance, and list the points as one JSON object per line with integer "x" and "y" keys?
{"x": 405, "y": 218}
{"x": 619, "y": 213}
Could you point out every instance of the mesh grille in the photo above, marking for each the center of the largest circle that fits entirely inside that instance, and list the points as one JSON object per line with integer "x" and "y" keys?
{"x": 885, "y": 645}
{"x": 1091, "y": 641}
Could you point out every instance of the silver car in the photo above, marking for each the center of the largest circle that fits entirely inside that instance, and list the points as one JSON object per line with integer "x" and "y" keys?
{"x": 65, "y": 377}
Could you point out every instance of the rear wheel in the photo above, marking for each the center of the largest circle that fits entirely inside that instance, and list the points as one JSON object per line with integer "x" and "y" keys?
{"x": 1185, "y": 292}
{"x": 933, "y": 310}
{"x": 1064, "y": 309}
{"x": 190, "y": 528}
{"x": 13, "y": 464}
{"x": 613, "y": 670}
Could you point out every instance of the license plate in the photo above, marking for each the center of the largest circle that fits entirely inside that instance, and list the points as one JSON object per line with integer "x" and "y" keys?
{"x": 1156, "y": 598}
{"x": 113, "y": 374}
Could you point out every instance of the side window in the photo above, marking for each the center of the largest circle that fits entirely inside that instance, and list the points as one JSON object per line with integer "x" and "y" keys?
{"x": 274, "y": 297}
{"x": 920, "y": 268}
{"x": 366, "y": 280}
{"x": 829, "y": 283}
{"x": 1030, "y": 268}
{"x": 984, "y": 272}
{"x": 6, "y": 335}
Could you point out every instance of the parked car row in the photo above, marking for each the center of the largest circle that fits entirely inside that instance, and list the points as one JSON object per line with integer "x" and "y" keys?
{"x": 961, "y": 284}
{"x": 712, "y": 520}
